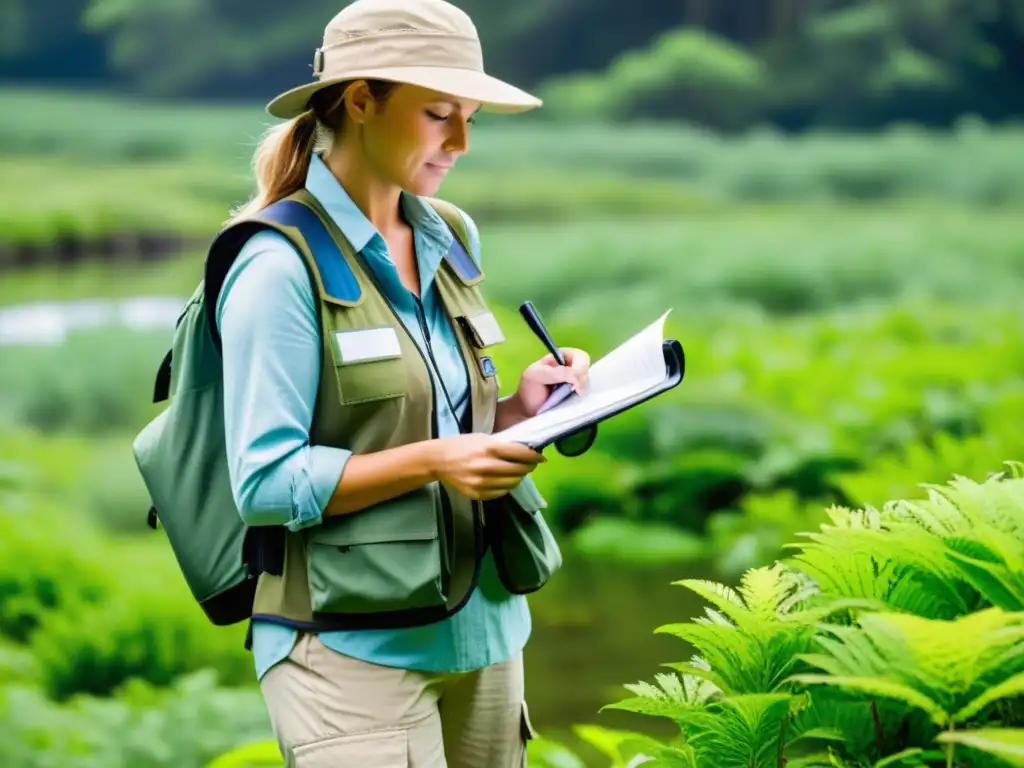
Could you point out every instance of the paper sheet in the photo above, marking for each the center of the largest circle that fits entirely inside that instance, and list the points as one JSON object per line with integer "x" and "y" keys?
{"x": 631, "y": 369}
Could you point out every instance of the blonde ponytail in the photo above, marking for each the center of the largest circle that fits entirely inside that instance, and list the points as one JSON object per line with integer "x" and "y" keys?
{"x": 281, "y": 162}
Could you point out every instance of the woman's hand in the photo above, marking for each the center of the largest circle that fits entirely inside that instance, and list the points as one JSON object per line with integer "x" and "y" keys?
{"x": 538, "y": 379}
{"x": 481, "y": 466}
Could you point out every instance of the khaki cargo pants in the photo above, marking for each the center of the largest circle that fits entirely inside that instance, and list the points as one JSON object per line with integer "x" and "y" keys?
{"x": 329, "y": 710}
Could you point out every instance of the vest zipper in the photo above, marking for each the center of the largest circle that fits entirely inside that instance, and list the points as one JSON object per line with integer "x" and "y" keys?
{"x": 421, "y": 315}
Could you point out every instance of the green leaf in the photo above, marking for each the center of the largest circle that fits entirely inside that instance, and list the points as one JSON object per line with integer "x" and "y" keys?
{"x": 900, "y": 757}
{"x": 258, "y": 754}
{"x": 652, "y": 707}
{"x": 726, "y": 599}
{"x": 544, "y": 752}
{"x": 876, "y": 686}
{"x": 1013, "y": 686}
{"x": 624, "y": 747}
{"x": 822, "y": 733}
{"x": 1005, "y": 743}
{"x": 994, "y": 581}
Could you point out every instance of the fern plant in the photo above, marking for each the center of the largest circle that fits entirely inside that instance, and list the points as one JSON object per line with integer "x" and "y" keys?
{"x": 891, "y": 637}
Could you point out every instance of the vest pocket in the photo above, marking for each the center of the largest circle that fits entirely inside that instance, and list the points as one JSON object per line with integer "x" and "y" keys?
{"x": 390, "y": 557}
{"x": 368, "y": 364}
{"x": 526, "y": 553}
{"x": 364, "y": 382}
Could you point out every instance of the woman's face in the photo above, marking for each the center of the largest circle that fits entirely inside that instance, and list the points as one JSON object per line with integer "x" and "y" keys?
{"x": 414, "y": 138}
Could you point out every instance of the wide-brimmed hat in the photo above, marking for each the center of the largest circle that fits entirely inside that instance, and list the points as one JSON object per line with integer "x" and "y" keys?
{"x": 429, "y": 43}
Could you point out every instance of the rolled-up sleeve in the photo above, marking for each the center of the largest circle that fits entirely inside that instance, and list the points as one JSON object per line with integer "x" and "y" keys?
{"x": 266, "y": 314}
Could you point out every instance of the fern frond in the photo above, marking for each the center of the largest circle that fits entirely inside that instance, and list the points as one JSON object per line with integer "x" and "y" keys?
{"x": 765, "y": 594}
{"x": 713, "y": 617}
{"x": 844, "y": 517}
{"x": 843, "y": 569}
{"x": 832, "y": 716}
{"x": 880, "y": 686}
{"x": 696, "y": 672}
{"x": 1014, "y": 470}
{"x": 900, "y": 758}
{"x": 962, "y": 505}
{"x": 876, "y": 565}
{"x": 1004, "y": 743}
{"x": 993, "y": 564}
{"x": 741, "y": 730}
{"x": 1013, "y": 686}
{"x": 997, "y": 585}
{"x": 764, "y": 589}
{"x": 923, "y": 594}
{"x": 804, "y": 590}
{"x": 674, "y": 696}
{"x": 724, "y": 598}
{"x": 754, "y": 709}
{"x": 938, "y": 666}
{"x": 747, "y": 662}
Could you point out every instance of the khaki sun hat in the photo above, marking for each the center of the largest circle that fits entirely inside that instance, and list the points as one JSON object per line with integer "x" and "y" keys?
{"x": 429, "y": 43}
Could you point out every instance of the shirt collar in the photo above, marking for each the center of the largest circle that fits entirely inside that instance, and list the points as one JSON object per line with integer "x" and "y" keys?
{"x": 352, "y": 222}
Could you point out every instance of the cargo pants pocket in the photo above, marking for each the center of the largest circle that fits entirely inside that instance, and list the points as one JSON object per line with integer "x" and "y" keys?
{"x": 377, "y": 749}
{"x": 526, "y": 734}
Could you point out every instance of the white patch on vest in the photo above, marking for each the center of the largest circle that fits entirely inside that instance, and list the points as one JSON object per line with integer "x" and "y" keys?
{"x": 365, "y": 344}
{"x": 487, "y": 329}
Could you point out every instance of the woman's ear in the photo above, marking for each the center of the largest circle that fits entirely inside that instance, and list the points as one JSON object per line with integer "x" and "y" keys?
{"x": 359, "y": 102}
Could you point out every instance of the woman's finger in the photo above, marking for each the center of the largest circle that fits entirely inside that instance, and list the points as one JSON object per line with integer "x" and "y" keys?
{"x": 552, "y": 374}
{"x": 576, "y": 359}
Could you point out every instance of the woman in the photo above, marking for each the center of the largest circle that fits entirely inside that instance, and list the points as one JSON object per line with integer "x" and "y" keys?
{"x": 364, "y": 444}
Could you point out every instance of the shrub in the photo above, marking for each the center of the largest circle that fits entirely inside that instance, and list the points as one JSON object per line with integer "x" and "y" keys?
{"x": 41, "y": 573}
{"x": 181, "y": 726}
{"x": 97, "y": 611}
{"x": 148, "y": 634}
{"x": 684, "y": 74}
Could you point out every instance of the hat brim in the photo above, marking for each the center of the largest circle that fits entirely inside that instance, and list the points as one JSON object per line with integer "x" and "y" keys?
{"x": 493, "y": 94}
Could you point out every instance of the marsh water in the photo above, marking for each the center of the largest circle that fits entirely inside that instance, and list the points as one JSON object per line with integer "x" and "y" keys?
{"x": 594, "y": 630}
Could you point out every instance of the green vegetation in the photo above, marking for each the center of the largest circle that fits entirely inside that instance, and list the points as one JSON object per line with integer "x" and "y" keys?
{"x": 724, "y": 65}
{"x": 850, "y": 310}
{"x": 742, "y": 453}
{"x": 95, "y": 167}
{"x": 891, "y": 636}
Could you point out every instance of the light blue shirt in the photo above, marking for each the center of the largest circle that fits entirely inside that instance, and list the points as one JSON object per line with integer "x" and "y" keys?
{"x": 267, "y": 317}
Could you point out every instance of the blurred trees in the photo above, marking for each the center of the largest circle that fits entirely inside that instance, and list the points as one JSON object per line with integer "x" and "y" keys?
{"x": 722, "y": 63}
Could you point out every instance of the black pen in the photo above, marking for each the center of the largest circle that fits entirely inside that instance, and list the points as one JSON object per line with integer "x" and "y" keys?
{"x": 532, "y": 317}
{"x": 529, "y": 313}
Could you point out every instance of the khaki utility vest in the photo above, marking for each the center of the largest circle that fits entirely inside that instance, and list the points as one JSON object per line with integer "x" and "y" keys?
{"x": 414, "y": 559}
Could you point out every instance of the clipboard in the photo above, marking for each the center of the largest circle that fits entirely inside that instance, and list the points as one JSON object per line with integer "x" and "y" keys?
{"x": 675, "y": 370}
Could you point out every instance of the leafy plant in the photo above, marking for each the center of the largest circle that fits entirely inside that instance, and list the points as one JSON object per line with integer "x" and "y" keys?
{"x": 893, "y": 636}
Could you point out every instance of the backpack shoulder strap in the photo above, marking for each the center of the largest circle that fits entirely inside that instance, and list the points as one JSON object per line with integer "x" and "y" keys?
{"x": 297, "y": 219}
{"x": 459, "y": 256}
